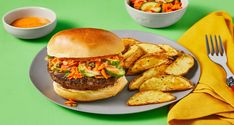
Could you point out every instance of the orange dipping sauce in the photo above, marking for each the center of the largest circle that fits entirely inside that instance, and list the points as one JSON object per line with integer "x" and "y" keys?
{"x": 29, "y": 22}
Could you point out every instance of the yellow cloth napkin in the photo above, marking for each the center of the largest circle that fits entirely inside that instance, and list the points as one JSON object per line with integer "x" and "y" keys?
{"x": 212, "y": 102}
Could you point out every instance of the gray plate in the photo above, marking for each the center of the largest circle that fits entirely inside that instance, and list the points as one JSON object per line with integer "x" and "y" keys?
{"x": 115, "y": 105}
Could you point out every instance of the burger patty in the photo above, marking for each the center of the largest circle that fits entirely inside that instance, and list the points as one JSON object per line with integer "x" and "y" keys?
{"x": 85, "y": 83}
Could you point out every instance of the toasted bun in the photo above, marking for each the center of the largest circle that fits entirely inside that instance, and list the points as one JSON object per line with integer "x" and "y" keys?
{"x": 90, "y": 95}
{"x": 83, "y": 43}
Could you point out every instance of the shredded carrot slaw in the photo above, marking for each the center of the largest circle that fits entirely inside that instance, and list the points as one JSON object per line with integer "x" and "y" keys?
{"x": 165, "y": 6}
{"x": 70, "y": 66}
{"x": 71, "y": 103}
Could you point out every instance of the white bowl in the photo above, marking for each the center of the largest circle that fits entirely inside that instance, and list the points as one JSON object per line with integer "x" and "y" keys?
{"x": 156, "y": 20}
{"x": 29, "y": 33}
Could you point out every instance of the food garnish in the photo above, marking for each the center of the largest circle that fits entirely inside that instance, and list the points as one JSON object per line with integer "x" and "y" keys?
{"x": 95, "y": 67}
{"x": 156, "y": 6}
{"x": 71, "y": 103}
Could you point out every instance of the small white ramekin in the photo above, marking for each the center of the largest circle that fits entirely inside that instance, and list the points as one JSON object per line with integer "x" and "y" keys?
{"x": 156, "y": 20}
{"x": 29, "y": 33}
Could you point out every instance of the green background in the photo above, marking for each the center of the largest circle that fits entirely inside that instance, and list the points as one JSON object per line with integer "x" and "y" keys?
{"x": 21, "y": 103}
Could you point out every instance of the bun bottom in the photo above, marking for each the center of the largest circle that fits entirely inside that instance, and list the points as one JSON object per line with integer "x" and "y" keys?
{"x": 90, "y": 95}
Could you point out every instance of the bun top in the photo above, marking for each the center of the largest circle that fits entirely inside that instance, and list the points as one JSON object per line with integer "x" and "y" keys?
{"x": 84, "y": 43}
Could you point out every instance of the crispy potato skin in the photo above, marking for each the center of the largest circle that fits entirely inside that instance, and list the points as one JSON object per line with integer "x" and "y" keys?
{"x": 132, "y": 49}
{"x": 181, "y": 65}
{"x": 129, "y": 61}
{"x": 155, "y": 71}
{"x": 128, "y": 42}
{"x": 146, "y": 62}
{"x": 166, "y": 83}
{"x": 150, "y": 97}
{"x": 151, "y": 48}
{"x": 170, "y": 51}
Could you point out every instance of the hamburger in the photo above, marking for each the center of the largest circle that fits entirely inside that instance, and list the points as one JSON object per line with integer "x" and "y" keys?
{"x": 85, "y": 64}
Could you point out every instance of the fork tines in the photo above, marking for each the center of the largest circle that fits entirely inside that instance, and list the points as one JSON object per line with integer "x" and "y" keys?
{"x": 214, "y": 48}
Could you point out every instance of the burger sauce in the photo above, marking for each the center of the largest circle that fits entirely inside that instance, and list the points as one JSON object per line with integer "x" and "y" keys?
{"x": 29, "y": 22}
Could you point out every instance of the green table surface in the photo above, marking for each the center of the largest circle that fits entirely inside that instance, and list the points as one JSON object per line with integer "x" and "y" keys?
{"x": 21, "y": 103}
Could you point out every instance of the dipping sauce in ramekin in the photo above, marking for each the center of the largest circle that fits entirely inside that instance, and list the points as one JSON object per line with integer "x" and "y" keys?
{"x": 29, "y": 22}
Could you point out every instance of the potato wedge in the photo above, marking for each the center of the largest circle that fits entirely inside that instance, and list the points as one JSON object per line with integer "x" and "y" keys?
{"x": 150, "y": 97}
{"x": 181, "y": 65}
{"x": 170, "y": 51}
{"x": 128, "y": 62}
{"x": 147, "y": 62}
{"x": 166, "y": 83}
{"x": 131, "y": 51}
{"x": 150, "y": 48}
{"x": 128, "y": 42}
{"x": 155, "y": 71}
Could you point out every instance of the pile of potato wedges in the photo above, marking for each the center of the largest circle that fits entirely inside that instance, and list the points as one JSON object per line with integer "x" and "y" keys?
{"x": 159, "y": 68}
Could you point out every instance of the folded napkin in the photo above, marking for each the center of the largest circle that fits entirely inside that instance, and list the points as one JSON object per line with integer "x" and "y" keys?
{"x": 212, "y": 102}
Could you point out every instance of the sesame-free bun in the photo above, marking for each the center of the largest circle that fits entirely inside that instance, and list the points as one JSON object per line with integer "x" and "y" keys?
{"x": 90, "y": 95}
{"x": 84, "y": 43}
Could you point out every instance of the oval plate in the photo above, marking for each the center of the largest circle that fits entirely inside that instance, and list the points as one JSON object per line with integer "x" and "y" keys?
{"x": 115, "y": 105}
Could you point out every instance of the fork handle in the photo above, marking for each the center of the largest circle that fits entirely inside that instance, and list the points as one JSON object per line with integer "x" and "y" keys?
{"x": 230, "y": 77}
